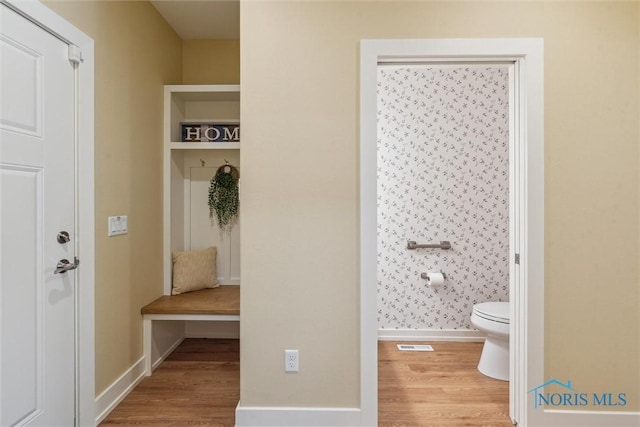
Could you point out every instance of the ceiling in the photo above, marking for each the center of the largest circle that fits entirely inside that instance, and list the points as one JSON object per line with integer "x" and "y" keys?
{"x": 204, "y": 19}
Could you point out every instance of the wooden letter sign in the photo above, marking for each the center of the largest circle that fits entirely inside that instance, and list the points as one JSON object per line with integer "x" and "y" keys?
{"x": 210, "y": 132}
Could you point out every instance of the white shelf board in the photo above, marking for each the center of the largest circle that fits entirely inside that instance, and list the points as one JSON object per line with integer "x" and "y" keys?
{"x": 204, "y": 145}
{"x": 199, "y": 93}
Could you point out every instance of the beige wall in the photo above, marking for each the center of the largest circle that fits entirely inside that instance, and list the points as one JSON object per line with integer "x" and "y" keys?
{"x": 299, "y": 196}
{"x": 136, "y": 53}
{"x": 211, "y": 62}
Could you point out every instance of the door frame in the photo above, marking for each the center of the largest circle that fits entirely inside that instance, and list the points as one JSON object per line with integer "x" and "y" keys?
{"x": 526, "y": 204}
{"x": 45, "y": 18}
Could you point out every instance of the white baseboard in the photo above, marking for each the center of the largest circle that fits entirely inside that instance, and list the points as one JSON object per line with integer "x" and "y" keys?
{"x": 166, "y": 354}
{"x": 120, "y": 388}
{"x": 591, "y": 418}
{"x": 469, "y": 335}
{"x": 247, "y": 416}
{"x": 166, "y": 336}
{"x": 109, "y": 399}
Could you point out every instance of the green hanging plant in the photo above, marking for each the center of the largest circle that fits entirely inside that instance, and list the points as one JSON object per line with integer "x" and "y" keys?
{"x": 224, "y": 197}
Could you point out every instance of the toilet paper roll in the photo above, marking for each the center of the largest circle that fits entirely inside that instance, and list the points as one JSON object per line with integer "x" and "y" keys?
{"x": 435, "y": 279}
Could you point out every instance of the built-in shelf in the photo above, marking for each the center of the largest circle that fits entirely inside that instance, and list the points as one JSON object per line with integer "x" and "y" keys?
{"x": 204, "y": 145}
{"x": 188, "y": 168}
{"x": 205, "y": 93}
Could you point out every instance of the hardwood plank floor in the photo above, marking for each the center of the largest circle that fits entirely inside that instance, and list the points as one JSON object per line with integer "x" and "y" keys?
{"x": 199, "y": 383}
{"x": 439, "y": 388}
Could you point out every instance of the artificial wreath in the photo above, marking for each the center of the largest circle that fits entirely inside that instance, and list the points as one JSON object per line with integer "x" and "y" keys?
{"x": 224, "y": 197}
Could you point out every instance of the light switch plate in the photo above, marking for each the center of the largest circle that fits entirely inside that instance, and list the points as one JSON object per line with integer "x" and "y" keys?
{"x": 117, "y": 225}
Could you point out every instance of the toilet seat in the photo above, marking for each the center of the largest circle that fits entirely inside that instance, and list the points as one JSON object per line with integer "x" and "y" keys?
{"x": 493, "y": 311}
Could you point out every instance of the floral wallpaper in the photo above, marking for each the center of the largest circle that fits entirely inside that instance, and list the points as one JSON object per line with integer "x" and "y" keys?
{"x": 443, "y": 174}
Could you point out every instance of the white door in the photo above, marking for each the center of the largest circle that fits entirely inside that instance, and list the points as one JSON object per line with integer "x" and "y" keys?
{"x": 37, "y": 356}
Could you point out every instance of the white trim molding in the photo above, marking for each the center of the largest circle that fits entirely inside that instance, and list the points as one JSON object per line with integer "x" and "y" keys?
{"x": 526, "y": 202}
{"x": 160, "y": 340}
{"x": 120, "y": 388}
{"x": 116, "y": 392}
{"x": 593, "y": 418}
{"x": 457, "y": 335}
{"x": 85, "y": 233}
{"x": 252, "y": 416}
{"x": 161, "y": 358}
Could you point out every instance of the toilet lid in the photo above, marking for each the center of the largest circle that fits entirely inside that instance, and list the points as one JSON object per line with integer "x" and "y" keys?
{"x": 496, "y": 311}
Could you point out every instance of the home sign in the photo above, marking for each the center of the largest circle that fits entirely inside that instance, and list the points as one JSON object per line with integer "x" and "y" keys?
{"x": 210, "y": 132}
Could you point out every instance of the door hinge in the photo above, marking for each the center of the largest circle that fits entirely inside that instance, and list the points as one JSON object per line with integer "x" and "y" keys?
{"x": 75, "y": 54}
{"x": 518, "y": 259}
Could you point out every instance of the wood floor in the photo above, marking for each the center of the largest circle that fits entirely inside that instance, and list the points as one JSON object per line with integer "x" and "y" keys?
{"x": 199, "y": 383}
{"x": 439, "y": 388}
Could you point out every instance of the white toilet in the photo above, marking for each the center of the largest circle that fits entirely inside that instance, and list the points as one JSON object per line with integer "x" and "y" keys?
{"x": 492, "y": 318}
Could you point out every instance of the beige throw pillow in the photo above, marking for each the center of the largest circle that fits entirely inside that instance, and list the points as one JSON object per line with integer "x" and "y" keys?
{"x": 194, "y": 270}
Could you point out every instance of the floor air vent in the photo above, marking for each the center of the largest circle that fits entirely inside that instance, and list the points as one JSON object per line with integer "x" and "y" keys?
{"x": 413, "y": 347}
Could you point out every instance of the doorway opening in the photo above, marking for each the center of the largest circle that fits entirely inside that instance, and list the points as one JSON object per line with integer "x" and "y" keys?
{"x": 525, "y": 198}
{"x": 443, "y": 176}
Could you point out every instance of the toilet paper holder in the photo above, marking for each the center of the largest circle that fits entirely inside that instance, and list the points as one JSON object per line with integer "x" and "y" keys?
{"x": 426, "y": 275}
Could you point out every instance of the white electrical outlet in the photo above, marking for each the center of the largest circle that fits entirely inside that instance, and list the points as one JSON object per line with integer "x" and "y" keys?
{"x": 291, "y": 361}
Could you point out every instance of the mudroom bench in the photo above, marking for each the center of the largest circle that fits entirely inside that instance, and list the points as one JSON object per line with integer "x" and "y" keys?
{"x": 217, "y": 304}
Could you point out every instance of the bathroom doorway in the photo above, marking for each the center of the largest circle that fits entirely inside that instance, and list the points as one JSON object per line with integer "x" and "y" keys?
{"x": 442, "y": 240}
{"x": 525, "y": 184}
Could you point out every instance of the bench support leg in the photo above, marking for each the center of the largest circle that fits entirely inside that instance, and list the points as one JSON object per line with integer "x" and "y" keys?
{"x": 147, "y": 332}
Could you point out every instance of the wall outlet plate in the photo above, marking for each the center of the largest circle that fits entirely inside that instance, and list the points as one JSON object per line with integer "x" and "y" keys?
{"x": 291, "y": 361}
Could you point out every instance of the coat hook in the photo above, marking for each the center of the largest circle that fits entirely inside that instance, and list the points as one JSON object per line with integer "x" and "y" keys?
{"x": 202, "y": 163}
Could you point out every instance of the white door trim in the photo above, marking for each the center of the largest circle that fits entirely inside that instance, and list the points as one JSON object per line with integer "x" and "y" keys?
{"x": 85, "y": 234}
{"x": 527, "y": 284}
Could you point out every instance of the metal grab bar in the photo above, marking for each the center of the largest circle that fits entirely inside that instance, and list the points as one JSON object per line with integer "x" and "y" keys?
{"x": 444, "y": 244}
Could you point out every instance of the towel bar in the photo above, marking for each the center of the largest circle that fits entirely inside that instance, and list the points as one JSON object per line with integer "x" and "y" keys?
{"x": 444, "y": 244}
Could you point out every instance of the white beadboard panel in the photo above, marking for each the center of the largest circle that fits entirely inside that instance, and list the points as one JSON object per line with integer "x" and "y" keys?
{"x": 234, "y": 254}
{"x": 177, "y": 195}
{"x": 200, "y": 230}
{"x": 443, "y": 174}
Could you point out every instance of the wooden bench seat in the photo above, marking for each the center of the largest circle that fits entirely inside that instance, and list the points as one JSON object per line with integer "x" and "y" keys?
{"x": 217, "y": 304}
{"x": 220, "y": 300}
